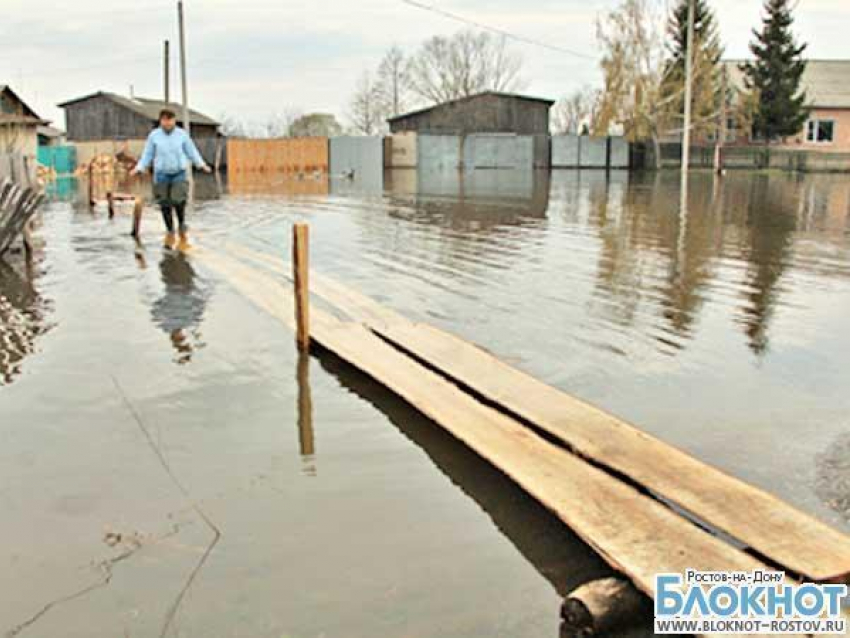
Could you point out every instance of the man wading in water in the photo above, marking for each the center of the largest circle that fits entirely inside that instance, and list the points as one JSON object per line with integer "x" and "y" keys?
{"x": 170, "y": 149}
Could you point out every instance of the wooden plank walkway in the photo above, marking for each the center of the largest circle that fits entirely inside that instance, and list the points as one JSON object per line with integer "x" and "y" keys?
{"x": 789, "y": 538}
{"x": 636, "y": 534}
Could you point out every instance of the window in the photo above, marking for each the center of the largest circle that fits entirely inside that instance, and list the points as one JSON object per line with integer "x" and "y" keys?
{"x": 820, "y": 131}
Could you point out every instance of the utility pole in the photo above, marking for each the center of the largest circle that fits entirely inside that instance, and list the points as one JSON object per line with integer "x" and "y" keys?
{"x": 166, "y": 71}
{"x": 686, "y": 133}
{"x": 186, "y": 123}
{"x": 721, "y": 136}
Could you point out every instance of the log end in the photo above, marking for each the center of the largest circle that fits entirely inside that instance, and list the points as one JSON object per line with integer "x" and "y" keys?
{"x": 600, "y": 606}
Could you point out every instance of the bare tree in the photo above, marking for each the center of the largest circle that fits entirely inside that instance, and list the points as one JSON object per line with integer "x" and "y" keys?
{"x": 633, "y": 66}
{"x": 575, "y": 113}
{"x": 469, "y": 62}
{"x": 393, "y": 82}
{"x": 365, "y": 110}
{"x": 280, "y": 124}
{"x": 233, "y": 127}
{"x": 275, "y": 125}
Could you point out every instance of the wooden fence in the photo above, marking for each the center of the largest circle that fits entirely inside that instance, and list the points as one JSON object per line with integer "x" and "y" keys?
{"x": 18, "y": 168}
{"x": 288, "y": 155}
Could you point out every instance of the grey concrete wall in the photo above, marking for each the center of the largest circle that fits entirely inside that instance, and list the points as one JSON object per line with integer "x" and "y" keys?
{"x": 498, "y": 151}
{"x": 565, "y": 151}
{"x": 619, "y": 152}
{"x": 362, "y": 158}
{"x": 594, "y": 152}
{"x": 573, "y": 151}
{"x": 439, "y": 151}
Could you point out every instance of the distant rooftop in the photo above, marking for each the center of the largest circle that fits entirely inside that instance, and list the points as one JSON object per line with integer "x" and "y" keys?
{"x": 28, "y": 117}
{"x": 826, "y": 82}
{"x": 471, "y": 97}
{"x": 146, "y": 107}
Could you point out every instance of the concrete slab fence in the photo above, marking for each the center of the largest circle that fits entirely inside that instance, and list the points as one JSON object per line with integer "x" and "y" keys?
{"x": 582, "y": 151}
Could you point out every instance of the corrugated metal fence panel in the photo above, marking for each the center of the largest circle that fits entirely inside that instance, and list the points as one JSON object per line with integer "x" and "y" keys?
{"x": 288, "y": 155}
{"x": 619, "y": 152}
{"x": 565, "y": 151}
{"x": 350, "y": 153}
{"x": 357, "y": 164}
{"x": 542, "y": 151}
{"x": 62, "y": 159}
{"x": 498, "y": 151}
{"x": 439, "y": 151}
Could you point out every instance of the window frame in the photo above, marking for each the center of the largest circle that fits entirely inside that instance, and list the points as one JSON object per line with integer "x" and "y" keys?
{"x": 813, "y": 130}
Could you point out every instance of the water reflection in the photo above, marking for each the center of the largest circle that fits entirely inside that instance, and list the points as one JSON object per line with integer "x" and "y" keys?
{"x": 239, "y": 183}
{"x": 560, "y": 556}
{"x": 654, "y": 255}
{"x": 23, "y": 319}
{"x": 180, "y": 310}
{"x": 306, "y": 438}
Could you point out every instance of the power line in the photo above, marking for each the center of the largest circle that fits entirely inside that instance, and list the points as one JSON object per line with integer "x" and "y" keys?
{"x": 502, "y": 32}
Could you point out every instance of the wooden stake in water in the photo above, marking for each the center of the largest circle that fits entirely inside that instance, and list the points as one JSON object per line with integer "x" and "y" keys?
{"x": 138, "y": 207}
{"x": 300, "y": 243}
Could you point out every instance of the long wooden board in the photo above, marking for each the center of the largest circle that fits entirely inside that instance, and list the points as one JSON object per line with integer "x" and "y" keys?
{"x": 771, "y": 527}
{"x": 635, "y": 533}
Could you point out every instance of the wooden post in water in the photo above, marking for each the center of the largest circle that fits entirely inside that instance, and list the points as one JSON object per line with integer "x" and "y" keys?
{"x": 138, "y": 206}
{"x": 300, "y": 243}
{"x": 91, "y": 184}
{"x": 110, "y": 204}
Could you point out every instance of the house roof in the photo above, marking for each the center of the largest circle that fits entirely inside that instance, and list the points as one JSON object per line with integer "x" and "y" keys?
{"x": 470, "y": 98}
{"x": 145, "y": 107}
{"x": 826, "y": 82}
{"x": 50, "y": 131}
{"x": 13, "y": 118}
{"x": 29, "y": 116}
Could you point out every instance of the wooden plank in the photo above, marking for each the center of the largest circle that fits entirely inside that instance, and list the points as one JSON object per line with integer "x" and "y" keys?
{"x": 790, "y": 538}
{"x": 633, "y": 532}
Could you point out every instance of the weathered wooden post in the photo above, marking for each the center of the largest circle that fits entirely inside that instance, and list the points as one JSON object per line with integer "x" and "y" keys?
{"x": 110, "y": 204}
{"x": 91, "y": 184}
{"x": 300, "y": 243}
{"x": 600, "y": 606}
{"x": 138, "y": 207}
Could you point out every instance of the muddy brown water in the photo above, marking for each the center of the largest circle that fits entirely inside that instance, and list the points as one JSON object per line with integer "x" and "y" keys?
{"x": 168, "y": 465}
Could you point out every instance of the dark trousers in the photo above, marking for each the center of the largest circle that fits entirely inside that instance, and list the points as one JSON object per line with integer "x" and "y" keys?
{"x": 168, "y": 212}
{"x": 170, "y": 190}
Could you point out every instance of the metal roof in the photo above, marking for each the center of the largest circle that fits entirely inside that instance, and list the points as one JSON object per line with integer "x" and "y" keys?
{"x": 146, "y": 107}
{"x": 515, "y": 96}
{"x": 826, "y": 82}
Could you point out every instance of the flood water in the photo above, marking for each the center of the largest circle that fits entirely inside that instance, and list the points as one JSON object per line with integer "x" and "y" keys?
{"x": 170, "y": 466}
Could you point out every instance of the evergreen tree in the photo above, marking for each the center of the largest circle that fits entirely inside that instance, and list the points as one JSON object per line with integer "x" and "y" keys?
{"x": 774, "y": 75}
{"x": 707, "y": 67}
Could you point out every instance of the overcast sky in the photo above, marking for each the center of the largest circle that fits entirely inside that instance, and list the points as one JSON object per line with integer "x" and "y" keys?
{"x": 250, "y": 58}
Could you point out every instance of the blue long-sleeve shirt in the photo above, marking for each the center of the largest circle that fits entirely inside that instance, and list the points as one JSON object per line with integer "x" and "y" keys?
{"x": 169, "y": 152}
